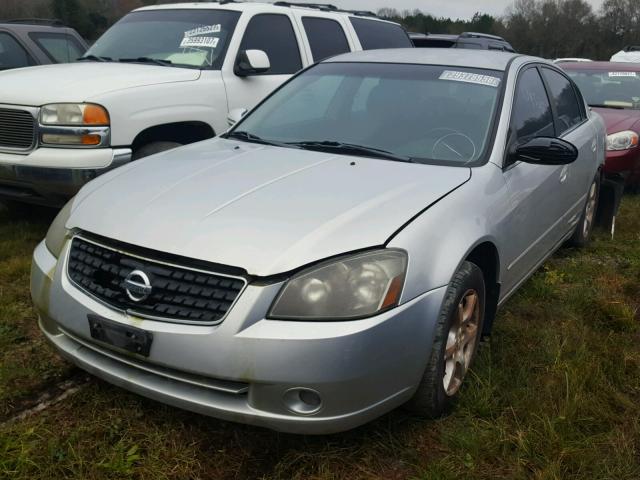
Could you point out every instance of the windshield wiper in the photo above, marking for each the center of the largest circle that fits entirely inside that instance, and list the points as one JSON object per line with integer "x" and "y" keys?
{"x": 157, "y": 61}
{"x": 352, "y": 149}
{"x": 250, "y": 137}
{"x": 94, "y": 58}
{"x": 617, "y": 107}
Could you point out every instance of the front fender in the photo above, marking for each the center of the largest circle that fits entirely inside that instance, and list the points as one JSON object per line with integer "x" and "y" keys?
{"x": 444, "y": 235}
{"x": 136, "y": 109}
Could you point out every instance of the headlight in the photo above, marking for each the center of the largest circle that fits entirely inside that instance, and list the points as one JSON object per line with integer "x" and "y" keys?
{"x": 351, "y": 287}
{"x": 622, "y": 140}
{"x": 57, "y": 233}
{"x": 74, "y": 114}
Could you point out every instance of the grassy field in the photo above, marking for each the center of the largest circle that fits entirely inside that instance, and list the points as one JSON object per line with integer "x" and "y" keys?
{"x": 555, "y": 395}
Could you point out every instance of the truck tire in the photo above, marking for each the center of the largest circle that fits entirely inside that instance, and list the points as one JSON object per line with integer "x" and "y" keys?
{"x": 154, "y": 147}
{"x": 455, "y": 344}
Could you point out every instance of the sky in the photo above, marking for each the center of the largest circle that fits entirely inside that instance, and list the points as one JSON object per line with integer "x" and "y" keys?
{"x": 438, "y": 8}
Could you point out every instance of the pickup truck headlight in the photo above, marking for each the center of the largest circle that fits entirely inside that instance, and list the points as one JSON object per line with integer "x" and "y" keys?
{"x": 74, "y": 124}
{"x": 57, "y": 233}
{"x": 622, "y": 141}
{"x": 351, "y": 287}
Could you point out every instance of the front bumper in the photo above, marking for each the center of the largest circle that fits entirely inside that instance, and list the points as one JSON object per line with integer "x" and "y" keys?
{"x": 31, "y": 178}
{"x": 242, "y": 369}
{"x": 625, "y": 163}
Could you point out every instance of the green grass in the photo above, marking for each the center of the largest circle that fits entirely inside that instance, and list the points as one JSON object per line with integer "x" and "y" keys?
{"x": 556, "y": 395}
{"x": 26, "y": 363}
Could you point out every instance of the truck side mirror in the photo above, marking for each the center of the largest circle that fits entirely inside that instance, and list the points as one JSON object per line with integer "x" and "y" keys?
{"x": 251, "y": 62}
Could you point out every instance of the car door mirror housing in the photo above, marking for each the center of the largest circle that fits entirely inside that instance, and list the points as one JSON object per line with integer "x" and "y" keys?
{"x": 236, "y": 115}
{"x": 545, "y": 151}
{"x": 251, "y": 62}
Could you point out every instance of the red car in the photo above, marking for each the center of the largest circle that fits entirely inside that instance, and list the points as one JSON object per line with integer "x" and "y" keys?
{"x": 613, "y": 90}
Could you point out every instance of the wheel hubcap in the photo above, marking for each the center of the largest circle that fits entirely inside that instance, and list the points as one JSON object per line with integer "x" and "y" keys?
{"x": 590, "y": 211}
{"x": 461, "y": 342}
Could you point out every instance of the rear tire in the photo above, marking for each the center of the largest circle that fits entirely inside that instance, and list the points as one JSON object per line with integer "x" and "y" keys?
{"x": 153, "y": 148}
{"x": 455, "y": 344}
{"x": 582, "y": 234}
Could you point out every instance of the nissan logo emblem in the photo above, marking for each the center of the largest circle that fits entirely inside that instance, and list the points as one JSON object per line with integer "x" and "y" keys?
{"x": 138, "y": 286}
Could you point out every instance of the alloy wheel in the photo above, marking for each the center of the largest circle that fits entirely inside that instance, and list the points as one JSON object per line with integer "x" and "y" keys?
{"x": 590, "y": 210}
{"x": 461, "y": 342}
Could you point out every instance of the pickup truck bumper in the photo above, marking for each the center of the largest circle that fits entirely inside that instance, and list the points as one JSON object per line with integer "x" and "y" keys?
{"x": 30, "y": 179}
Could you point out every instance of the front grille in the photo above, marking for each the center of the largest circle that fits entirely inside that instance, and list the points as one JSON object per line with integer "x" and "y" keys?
{"x": 178, "y": 294}
{"x": 17, "y": 129}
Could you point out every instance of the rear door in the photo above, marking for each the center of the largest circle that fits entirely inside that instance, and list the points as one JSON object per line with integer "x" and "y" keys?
{"x": 377, "y": 34}
{"x": 12, "y": 53}
{"x": 278, "y": 37}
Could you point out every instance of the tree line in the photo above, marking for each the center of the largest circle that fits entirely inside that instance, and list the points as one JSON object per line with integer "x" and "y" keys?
{"x": 547, "y": 28}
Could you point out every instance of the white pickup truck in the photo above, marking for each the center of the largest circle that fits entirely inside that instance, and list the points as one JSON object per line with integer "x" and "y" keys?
{"x": 161, "y": 77}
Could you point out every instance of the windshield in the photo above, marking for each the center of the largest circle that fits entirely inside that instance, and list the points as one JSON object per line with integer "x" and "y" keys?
{"x": 612, "y": 89}
{"x": 425, "y": 113}
{"x": 184, "y": 38}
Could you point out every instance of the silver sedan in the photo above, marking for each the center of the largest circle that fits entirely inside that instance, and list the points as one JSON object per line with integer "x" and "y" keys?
{"x": 338, "y": 253}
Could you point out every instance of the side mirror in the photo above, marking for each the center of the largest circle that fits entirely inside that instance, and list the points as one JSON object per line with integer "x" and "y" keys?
{"x": 236, "y": 115}
{"x": 545, "y": 151}
{"x": 251, "y": 62}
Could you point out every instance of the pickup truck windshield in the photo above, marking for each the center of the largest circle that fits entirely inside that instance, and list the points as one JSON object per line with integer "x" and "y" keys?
{"x": 196, "y": 38}
{"x": 608, "y": 89}
{"x": 419, "y": 113}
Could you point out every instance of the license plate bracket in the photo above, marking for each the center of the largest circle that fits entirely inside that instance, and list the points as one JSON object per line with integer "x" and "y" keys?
{"x": 131, "y": 339}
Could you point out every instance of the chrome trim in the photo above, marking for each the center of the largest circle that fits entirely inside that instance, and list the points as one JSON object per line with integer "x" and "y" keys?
{"x": 225, "y": 386}
{"x": 121, "y": 156}
{"x": 103, "y": 132}
{"x": 133, "y": 312}
{"x": 35, "y": 113}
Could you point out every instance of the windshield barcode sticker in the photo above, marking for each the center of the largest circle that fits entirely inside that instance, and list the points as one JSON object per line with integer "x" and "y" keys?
{"x": 199, "y": 42}
{"x": 622, "y": 74}
{"x": 468, "y": 77}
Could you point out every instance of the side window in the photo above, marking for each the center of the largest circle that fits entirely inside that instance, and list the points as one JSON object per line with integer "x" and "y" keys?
{"x": 375, "y": 34}
{"x": 59, "y": 47}
{"x": 326, "y": 37}
{"x": 532, "y": 115}
{"x": 564, "y": 98}
{"x": 273, "y": 33}
{"x": 12, "y": 55}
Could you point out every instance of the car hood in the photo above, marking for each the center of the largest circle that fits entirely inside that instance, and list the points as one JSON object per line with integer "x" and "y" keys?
{"x": 618, "y": 120}
{"x": 265, "y": 209}
{"x": 79, "y": 82}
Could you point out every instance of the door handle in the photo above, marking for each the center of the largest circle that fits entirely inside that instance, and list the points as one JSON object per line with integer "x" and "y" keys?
{"x": 564, "y": 173}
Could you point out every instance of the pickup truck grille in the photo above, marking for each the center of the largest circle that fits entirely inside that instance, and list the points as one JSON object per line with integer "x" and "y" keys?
{"x": 177, "y": 294}
{"x": 17, "y": 129}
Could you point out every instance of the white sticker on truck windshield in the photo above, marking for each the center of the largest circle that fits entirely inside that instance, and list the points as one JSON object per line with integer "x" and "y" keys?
{"x": 199, "y": 42}
{"x": 204, "y": 30}
{"x": 469, "y": 77}
{"x": 622, "y": 74}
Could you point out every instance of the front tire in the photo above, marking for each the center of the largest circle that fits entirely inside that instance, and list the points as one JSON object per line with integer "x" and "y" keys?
{"x": 456, "y": 341}
{"x": 582, "y": 235}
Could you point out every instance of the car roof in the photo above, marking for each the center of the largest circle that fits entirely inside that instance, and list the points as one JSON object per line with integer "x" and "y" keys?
{"x": 263, "y": 7}
{"x": 604, "y": 66}
{"x": 486, "y": 59}
{"x": 33, "y": 27}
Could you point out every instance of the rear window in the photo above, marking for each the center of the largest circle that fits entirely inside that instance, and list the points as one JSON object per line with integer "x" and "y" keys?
{"x": 374, "y": 34}
{"x": 59, "y": 47}
{"x": 326, "y": 37}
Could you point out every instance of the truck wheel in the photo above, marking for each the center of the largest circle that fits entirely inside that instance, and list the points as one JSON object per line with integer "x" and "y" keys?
{"x": 455, "y": 344}
{"x": 582, "y": 234}
{"x": 154, "y": 147}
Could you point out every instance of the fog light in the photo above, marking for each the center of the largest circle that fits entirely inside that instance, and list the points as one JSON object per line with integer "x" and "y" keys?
{"x": 302, "y": 401}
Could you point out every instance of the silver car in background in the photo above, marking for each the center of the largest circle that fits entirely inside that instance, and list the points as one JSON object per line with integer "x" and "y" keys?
{"x": 339, "y": 252}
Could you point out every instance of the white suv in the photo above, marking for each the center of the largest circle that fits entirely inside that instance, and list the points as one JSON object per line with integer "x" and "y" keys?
{"x": 161, "y": 77}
